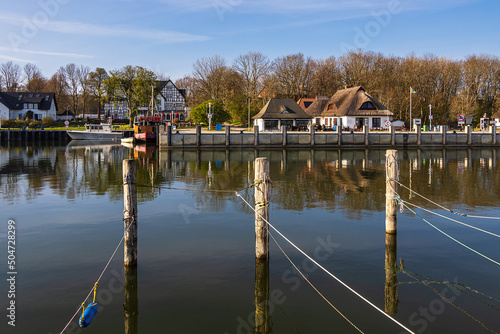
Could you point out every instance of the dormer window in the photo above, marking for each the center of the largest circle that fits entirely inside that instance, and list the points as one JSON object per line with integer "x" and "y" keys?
{"x": 285, "y": 112}
{"x": 368, "y": 105}
{"x": 25, "y": 106}
{"x": 331, "y": 106}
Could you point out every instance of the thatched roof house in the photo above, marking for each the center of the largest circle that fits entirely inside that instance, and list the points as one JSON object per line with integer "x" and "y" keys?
{"x": 353, "y": 107}
{"x": 316, "y": 108}
{"x": 280, "y": 112}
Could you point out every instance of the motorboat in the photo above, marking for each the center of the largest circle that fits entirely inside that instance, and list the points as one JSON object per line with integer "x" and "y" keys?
{"x": 95, "y": 132}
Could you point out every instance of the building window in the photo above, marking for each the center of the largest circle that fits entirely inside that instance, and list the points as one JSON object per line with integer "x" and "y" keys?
{"x": 25, "y": 106}
{"x": 30, "y": 105}
{"x": 368, "y": 105}
{"x": 376, "y": 122}
{"x": 35, "y": 105}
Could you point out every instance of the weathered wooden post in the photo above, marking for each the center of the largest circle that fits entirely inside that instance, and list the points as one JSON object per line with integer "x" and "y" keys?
{"x": 256, "y": 135}
{"x": 131, "y": 304}
{"x": 391, "y": 169}
{"x": 198, "y": 135}
{"x": 313, "y": 134}
{"x": 366, "y": 132}
{"x": 284, "y": 134}
{"x": 261, "y": 208}
{"x": 419, "y": 135}
{"x": 493, "y": 131}
{"x": 443, "y": 130}
{"x": 228, "y": 135}
{"x": 468, "y": 132}
{"x": 391, "y": 279}
{"x": 339, "y": 132}
{"x": 169, "y": 135}
{"x": 393, "y": 136}
{"x": 130, "y": 212}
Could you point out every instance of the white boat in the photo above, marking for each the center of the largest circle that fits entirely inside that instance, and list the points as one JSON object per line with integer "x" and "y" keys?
{"x": 95, "y": 132}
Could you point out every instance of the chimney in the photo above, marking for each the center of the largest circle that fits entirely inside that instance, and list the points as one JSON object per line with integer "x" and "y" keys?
{"x": 347, "y": 86}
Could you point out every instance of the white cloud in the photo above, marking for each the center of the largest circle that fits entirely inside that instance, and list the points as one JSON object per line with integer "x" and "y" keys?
{"x": 15, "y": 59}
{"x": 45, "y": 53}
{"x": 81, "y": 28}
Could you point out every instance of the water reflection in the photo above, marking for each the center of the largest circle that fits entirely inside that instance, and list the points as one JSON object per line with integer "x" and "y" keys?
{"x": 351, "y": 179}
{"x": 391, "y": 280}
{"x": 263, "y": 324}
{"x": 131, "y": 305}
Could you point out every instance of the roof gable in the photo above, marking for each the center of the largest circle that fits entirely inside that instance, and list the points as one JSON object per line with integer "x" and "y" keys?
{"x": 354, "y": 101}
{"x": 282, "y": 109}
{"x": 16, "y": 100}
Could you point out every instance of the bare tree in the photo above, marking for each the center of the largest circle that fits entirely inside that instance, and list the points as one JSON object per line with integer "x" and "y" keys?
{"x": 210, "y": 74}
{"x": 69, "y": 75}
{"x": 326, "y": 78}
{"x": 252, "y": 67}
{"x": 11, "y": 74}
{"x": 83, "y": 80}
{"x": 292, "y": 75}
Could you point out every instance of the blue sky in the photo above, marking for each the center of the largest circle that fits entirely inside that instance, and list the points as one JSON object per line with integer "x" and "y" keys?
{"x": 168, "y": 36}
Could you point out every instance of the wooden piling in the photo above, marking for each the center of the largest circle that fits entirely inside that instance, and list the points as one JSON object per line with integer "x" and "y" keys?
{"x": 261, "y": 208}
{"x": 392, "y": 169}
{"x": 366, "y": 132}
{"x": 198, "y": 135}
{"x": 256, "y": 135}
{"x": 284, "y": 134}
{"x": 169, "y": 135}
{"x": 312, "y": 132}
{"x": 228, "y": 135}
{"x": 130, "y": 212}
{"x": 339, "y": 133}
{"x": 393, "y": 136}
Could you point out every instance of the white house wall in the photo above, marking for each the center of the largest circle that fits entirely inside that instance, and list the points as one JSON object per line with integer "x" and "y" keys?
{"x": 4, "y": 112}
{"x": 350, "y": 121}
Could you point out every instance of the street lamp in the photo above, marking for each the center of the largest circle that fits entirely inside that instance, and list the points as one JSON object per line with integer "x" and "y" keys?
{"x": 209, "y": 115}
{"x": 430, "y": 116}
{"x": 248, "y": 125}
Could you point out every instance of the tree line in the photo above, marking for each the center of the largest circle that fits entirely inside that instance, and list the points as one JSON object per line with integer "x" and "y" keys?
{"x": 452, "y": 87}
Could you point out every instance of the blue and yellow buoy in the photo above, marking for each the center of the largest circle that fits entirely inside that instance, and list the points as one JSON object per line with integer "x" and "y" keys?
{"x": 89, "y": 312}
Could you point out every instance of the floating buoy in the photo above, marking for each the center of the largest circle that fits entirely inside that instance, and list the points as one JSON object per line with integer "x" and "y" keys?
{"x": 89, "y": 312}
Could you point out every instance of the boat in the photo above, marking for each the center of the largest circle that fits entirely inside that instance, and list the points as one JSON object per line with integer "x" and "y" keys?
{"x": 146, "y": 128}
{"x": 95, "y": 132}
{"x": 128, "y": 140}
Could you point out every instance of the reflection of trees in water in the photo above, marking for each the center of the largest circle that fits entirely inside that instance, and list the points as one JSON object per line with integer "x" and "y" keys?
{"x": 350, "y": 184}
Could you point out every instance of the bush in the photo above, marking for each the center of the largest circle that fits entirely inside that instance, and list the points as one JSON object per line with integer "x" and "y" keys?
{"x": 18, "y": 123}
{"x": 33, "y": 124}
{"x": 9, "y": 123}
{"x": 48, "y": 121}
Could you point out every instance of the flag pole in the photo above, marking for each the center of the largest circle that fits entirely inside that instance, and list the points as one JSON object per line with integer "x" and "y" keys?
{"x": 411, "y": 127}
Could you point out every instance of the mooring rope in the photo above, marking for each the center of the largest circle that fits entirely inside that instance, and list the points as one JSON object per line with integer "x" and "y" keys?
{"x": 439, "y": 205}
{"x": 451, "y": 219}
{"x": 447, "y": 235}
{"x": 201, "y": 190}
{"x": 100, "y": 276}
{"x": 325, "y": 270}
{"x": 309, "y": 282}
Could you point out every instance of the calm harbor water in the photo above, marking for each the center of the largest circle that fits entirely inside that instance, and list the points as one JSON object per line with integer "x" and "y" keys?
{"x": 197, "y": 272}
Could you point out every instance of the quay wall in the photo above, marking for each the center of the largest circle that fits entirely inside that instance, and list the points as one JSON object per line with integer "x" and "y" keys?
{"x": 417, "y": 138}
